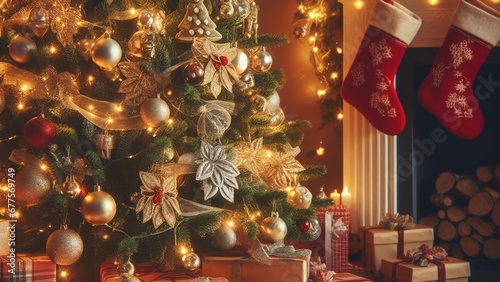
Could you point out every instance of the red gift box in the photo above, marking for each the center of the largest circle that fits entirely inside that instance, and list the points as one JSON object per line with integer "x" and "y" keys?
{"x": 333, "y": 251}
{"x": 27, "y": 268}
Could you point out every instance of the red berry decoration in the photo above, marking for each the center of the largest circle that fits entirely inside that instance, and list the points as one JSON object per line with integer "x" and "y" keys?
{"x": 156, "y": 198}
{"x": 193, "y": 73}
{"x": 304, "y": 225}
{"x": 39, "y": 132}
{"x": 224, "y": 61}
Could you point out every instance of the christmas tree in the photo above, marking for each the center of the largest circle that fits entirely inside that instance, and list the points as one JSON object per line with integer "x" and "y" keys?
{"x": 120, "y": 138}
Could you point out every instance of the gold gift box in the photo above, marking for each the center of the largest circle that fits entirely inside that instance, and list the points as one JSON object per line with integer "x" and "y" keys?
{"x": 456, "y": 271}
{"x": 381, "y": 244}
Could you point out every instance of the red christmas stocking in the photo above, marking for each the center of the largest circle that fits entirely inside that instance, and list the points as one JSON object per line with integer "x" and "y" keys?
{"x": 447, "y": 91}
{"x": 369, "y": 85}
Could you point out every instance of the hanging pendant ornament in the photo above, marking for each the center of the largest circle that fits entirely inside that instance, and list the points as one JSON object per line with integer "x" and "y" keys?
{"x": 83, "y": 48}
{"x": 272, "y": 229}
{"x": 241, "y": 9}
{"x": 300, "y": 197}
{"x": 39, "y": 132}
{"x": 126, "y": 270}
{"x": 160, "y": 22}
{"x": 273, "y": 102}
{"x": 259, "y": 104}
{"x": 250, "y": 23}
{"x": 71, "y": 188}
{"x": 224, "y": 238}
{"x": 276, "y": 118}
{"x": 154, "y": 111}
{"x": 314, "y": 230}
{"x": 38, "y": 21}
{"x": 32, "y": 184}
{"x": 106, "y": 52}
{"x": 246, "y": 82}
{"x": 98, "y": 207}
{"x": 261, "y": 61}
{"x": 240, "y": 62}
{"x": 193, "y": 73}
{"x": 145, "y": 19}
{"x": 22, "y": 48}
{"x": 104, "y": 143}
{"x": 191, "y": 261}
{"x": 168, "y": 154}
{"x": 304, "y": 225}
{"x": 226, "y": 10}
{"x": 301, "y": 28}
{"x": 141, "y": 44}
{"x": 64, "y": 246}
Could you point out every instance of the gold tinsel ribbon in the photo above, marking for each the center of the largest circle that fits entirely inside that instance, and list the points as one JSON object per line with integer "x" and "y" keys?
{"x": 24, "y": 158}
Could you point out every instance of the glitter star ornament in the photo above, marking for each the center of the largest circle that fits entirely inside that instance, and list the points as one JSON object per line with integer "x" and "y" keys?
{"x": 217, "y": 173}
{"x": 217, "y": 58}
{"x": 159, "y": 199}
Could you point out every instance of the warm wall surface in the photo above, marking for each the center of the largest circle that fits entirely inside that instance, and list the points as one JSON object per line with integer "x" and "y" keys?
{"x": 298, "y": 97}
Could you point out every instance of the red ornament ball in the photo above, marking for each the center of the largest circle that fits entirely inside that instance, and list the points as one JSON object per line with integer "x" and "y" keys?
{"x": 39, "y": 132}
{"x": 303, "y": 225}
{"x": 193, "y": 73}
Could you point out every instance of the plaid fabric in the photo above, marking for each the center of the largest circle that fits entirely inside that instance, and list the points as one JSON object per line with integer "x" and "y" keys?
{"x": 28, "y": 268}
{"x": 339, "y": 246}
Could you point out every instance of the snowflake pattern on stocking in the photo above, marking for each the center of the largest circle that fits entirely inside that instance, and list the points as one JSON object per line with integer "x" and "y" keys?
{"x": 458, "y": 102}
{"x": 461, "y": 52}
{"x": 358, "y": 74}
{"x": 380, "y": 101}
{"x": 379, "y": 51}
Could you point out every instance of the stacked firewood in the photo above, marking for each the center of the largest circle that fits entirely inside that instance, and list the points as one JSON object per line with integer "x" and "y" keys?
{"x": 467, "y": 223}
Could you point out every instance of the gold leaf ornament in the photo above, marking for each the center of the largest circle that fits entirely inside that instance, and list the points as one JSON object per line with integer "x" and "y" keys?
{"x": 159, "y": 199}
{"x": 64, "y": 20}
{"x": 137, "y": 85}
{"x": 249, "y": 155}
{"x": 278, "y": 169}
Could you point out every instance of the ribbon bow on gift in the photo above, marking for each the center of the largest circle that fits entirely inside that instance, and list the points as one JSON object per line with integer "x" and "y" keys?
{"x": 397, "y": 222}
{"x": 425, "y": 254}
{"x": 262, "y": 253}
{"x": 320, "y": 271}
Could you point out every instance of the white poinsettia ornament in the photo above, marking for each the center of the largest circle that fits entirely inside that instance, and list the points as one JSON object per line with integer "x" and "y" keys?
{"x": 217, "y": 58}
{"x": 159, "y": 199}
{"x": 217, "y": 173}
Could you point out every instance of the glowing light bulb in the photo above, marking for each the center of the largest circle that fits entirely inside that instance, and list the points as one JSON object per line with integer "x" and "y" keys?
{"x": 340, "y": 116}
{"x": 90, "y": 79}
{"x": 119, "y": 108}
{"x": 315, "y": 49}
{"x": 321, "y": 92}
{"x": 312, "y": 39}
{"x": 320, "y": 151}
{"x": 170, "y": 121}
{"x": 110, "y": 120}
{"x": 150, "y": 129}
{"x": 24, "y": 87}
{"x": 433, "y": 2}
{"x": 359, "y": 4}
{"x": 169, "y": 92}
{"x": 230, "y": 224}
{"x": 105, "y": 236}
{"x": 52, "y": 50}
{"x": 334, "y": 75}
{"x": 183, "y": 250}
{"x": 43, "y": 167}
{"x": 339, "y": 50}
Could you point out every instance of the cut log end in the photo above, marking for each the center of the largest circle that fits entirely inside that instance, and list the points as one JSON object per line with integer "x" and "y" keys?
{"x": 446, "y": 231}
{"x": 495, "y": 214}
{"x": 491, "y": 248}
{"x": 467, "y": 186}
{"x": 456, "y": 213}
{"x": 481, "y": 204}
{"x": 485, "y": 174}
{"x": 464, "y": 229}
{"x": 445, "y": 182}
{"x": 470, "y": 246}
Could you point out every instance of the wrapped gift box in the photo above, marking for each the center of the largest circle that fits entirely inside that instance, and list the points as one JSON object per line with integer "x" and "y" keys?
{"x": 346, "y": 276}
{"x": 455, "y": 270}
{"x": 381, "y": 244}
{"x": 241, "y": 269}
{"x": 27, "y": 268}
{"x": 146, "y": 272}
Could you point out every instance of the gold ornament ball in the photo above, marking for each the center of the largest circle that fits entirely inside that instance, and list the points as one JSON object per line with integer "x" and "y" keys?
{"x": 300, "y": 197}
{"x": 240, "y": 62}
{"x": 259, "y": 104}
{"x": 98, "y": 207}
{"x": 261, "y": 61}
{"x": 38, "y": 21}
{"x": 226, "y": 10}
{"x": 32, "y": 184}
{"x": 154, "y": 112}
{"x": 246, "y": 82}
{"x": 272, "y": 229}
{"x": 71, "y": 188}
{"x": 191, "y": 261}
{"x": 224, "y": 238}
{"x": 64, "y": 246}
{"x": 106, "y": 53}
{"x": 113, "y": 73}
{"x": 22, "y": 49}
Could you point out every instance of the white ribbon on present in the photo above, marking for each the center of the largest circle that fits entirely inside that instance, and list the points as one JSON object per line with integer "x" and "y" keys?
{"x": 336, "y": 229}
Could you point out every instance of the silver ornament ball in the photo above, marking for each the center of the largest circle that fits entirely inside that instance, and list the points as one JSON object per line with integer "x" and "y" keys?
{"x": 261, "y": 61}
{"x": 64, "y": 246}
{"x": 191, "y": 261}
{"x": 300, "y": 197}
{"x": 154, "y": 112}
{"x": 272, "y": 229}
{"x": 22, "y": 49}
{"x": 315, "y": 230}
{"x": 32, "y": 184}
{"x": 240, "y": 62}
{"x": 224, "y": 238}
{"x": 126, "y": 270}
{"x": 259, "y": 104}
{"x": 277, "y": 118}
{"x": 246, "y": 82}
{"x": 38, "y": 21}
{"x": 273, "y": 102}
{"x": 106, "y": 53}
{"x": 168, "y": 154}
{"x": 98, "y": 207}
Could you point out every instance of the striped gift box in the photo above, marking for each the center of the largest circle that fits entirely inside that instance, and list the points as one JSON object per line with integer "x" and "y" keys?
{"x": 27, "y": 268}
